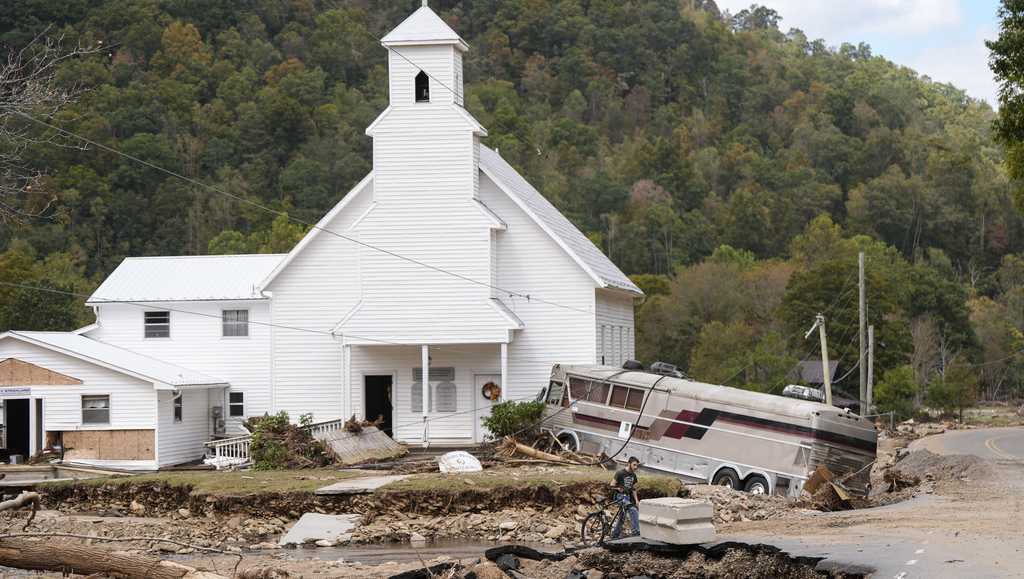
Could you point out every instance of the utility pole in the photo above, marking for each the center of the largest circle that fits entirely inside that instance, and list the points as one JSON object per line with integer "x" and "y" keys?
{"x": 819, "y": 323}
{"x": 871, "y": 369}
{"x": 862, "y": 310}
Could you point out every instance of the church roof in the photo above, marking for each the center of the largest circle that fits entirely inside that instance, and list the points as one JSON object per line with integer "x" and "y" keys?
{"x": 557, "y": 225}
{"x": 423, "y": 26}
{"x": 117, "y": 358}
{"x": 186, "y": 278}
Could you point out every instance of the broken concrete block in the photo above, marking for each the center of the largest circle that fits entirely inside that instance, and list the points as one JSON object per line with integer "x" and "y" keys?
{"x": 359, "y": 485}
{"x": 677, "y": 521}
{"x": 458, "y": 461}
{"x": 315, "y": 527}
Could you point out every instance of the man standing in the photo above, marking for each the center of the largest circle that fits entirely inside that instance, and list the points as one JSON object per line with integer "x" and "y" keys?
{"x": 625, "y": 487}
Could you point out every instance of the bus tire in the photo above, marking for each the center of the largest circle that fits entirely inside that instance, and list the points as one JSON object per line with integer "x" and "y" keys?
{"x": 726, "y": 477}
{"x": 756, "y": 485}
{"x": 569, "y": 442}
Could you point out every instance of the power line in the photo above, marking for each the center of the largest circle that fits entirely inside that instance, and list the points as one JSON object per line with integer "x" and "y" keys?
{"x": 150, "y": 306}
{"x": 511, "y": 293}
{"x": 458, "y": 96}
{"x": 827, "y": 310}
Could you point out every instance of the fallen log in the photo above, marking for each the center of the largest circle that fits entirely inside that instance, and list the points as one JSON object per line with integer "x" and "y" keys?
{"x": 20, "y": 501}
{"x": 510, "y": 447}
{"x": 68, "y": 557}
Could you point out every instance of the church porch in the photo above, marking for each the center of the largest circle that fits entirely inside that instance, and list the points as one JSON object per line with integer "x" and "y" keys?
{"x": 386, "y": 380}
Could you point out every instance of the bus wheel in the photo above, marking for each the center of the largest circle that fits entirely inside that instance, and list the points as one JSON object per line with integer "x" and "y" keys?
{"x": 569, "y": 442}
{"x": 756, "y": 485}
{"x": 726, "y": 477}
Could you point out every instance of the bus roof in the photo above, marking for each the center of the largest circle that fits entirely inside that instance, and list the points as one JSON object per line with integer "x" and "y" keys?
{"x": 705, "y": 392}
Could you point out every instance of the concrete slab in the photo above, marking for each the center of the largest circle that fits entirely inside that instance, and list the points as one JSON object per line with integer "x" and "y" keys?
{"x": 359, "y": 486}
{"x": 677, "y": 521}
{"x": 315, "y": 527}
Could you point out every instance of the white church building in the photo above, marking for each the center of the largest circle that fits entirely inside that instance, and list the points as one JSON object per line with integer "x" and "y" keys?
{"x": 444, "y": 257}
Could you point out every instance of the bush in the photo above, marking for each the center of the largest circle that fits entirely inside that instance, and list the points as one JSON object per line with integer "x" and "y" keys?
{"x": 896, "y": 392}
{"x": 951, "y": 393}
{"x": 514, "y": 418}
{"x": 278, "y": 444}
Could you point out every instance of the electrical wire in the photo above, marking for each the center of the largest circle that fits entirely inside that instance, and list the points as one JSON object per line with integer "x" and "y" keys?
{"x": 527, "y": 296}
{"x": 162, "y": 306}
{"x": 824, "y": 312}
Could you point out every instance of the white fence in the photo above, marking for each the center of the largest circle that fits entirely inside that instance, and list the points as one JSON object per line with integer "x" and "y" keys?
{"x": 236, "y": 448}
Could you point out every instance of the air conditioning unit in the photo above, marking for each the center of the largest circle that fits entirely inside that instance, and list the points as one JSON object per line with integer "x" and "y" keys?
{"x": 217, "y": 415}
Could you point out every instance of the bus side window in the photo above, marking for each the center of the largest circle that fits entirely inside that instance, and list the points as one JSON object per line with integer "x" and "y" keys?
{"x": 555, "y": 391}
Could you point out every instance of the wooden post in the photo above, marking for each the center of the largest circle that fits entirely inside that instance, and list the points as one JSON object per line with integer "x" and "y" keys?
{"x": 825, "y": 370}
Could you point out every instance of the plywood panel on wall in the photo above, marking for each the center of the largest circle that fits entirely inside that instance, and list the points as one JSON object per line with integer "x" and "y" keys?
{"x": 15, "y": 372}
{"x": 109, "y": 445}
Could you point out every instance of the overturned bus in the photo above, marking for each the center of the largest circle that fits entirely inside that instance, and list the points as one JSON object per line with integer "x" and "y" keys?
{"x": 746, "y": 440}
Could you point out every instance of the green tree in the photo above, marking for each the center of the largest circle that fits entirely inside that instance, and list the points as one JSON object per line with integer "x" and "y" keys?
{"x": 896, "y": 392}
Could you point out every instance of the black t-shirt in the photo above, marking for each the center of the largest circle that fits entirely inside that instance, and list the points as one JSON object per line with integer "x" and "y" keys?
{"x": 625, "y": 480}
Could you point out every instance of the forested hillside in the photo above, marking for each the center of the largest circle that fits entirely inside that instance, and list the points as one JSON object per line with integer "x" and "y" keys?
{"x": 734, "y": 168}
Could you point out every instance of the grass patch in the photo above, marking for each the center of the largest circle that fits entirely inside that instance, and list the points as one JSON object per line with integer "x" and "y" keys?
{"x": 495, "y": 479}
{"x": 232, "y": 483}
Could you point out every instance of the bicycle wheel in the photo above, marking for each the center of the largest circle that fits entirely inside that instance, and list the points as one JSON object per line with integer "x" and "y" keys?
{"x": 594, "y": 529}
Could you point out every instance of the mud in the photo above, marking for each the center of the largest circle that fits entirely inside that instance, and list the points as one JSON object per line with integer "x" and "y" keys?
{"x": 163, "y": 499}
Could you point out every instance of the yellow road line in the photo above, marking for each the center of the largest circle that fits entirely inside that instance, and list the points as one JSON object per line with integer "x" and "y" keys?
{"x": 991, "y": 445}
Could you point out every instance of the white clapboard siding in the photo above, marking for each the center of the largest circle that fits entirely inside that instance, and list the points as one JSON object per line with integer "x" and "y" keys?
{"x": 197, "y": 342}
{"x": 181, "y": 442}
{"x": 615, "y": 328}
{"x": 132, "y": 401}
{"x": 531, "y": 262}
{"x": 425, "y": 177}
{"x": 436, "y": 61}
{"x": 445, "y": 428}
{"x": 317, "y": 289}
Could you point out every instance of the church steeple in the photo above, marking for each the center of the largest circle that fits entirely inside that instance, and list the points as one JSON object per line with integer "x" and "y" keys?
{"x": 424, "y": 60}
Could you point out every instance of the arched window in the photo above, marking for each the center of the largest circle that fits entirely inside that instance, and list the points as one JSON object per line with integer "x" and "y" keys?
{"x": 445, "y": 395}
{"x": 422, "y": 88}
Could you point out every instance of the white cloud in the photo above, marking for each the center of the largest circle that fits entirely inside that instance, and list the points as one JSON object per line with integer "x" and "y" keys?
{"x": 963, "y": 63}
{"x": 843, "y": 21}
{"x": 930, "y": 36}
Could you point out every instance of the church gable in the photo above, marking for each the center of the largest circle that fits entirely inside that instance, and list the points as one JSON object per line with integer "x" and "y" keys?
{"x": 15, "y": 372}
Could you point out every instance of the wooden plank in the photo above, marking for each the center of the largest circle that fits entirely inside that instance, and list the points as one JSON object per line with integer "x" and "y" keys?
{"x": 109, "y": 444}
{"x": 15, "y": 372}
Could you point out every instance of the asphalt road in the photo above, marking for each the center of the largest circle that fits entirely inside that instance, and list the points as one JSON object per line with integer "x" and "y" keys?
{"x": 991, "y": 443}
{"x": 956, "y": 534}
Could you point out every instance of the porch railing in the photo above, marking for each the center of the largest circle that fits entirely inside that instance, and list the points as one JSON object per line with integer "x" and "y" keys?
{"x": 236, "y": 449}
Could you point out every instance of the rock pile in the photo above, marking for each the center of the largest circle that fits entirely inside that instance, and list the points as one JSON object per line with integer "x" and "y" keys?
{"x": 528, "y": 524}
{"x": 732, "y": 506}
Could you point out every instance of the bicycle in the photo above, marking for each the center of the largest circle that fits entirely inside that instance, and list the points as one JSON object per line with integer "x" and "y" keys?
{"x": 598, "y": 524}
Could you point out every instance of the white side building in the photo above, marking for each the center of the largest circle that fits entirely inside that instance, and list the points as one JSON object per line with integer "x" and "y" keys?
{"x": 444, "y": 257}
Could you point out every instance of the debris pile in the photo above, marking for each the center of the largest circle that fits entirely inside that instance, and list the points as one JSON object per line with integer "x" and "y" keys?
{"x": 509, "y": 447}
{"x": 278, "y": 444}
{"x": 638, "y": 560}
{"x": 733, "y": 506}
{"x": 914, "y": 429}
{"x": 925, "y": 465}
{"x": 360, "y": 442}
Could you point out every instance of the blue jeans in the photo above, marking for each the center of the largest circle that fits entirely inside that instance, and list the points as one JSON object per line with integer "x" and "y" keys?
{"x": 627, "y": 508}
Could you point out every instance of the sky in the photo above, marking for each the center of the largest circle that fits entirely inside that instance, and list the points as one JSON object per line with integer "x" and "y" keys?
{"x": 943, "y": 39}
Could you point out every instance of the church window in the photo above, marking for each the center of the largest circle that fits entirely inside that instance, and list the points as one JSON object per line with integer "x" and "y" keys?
{"x": 422, "y": 88}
